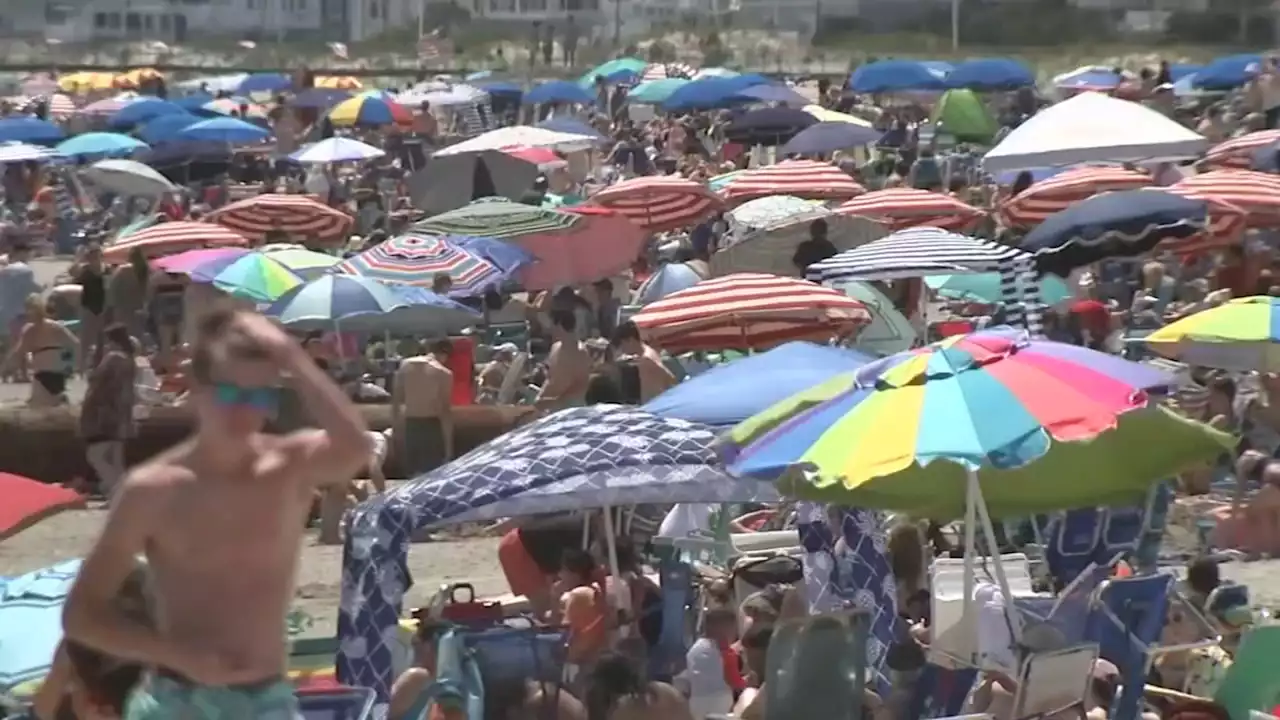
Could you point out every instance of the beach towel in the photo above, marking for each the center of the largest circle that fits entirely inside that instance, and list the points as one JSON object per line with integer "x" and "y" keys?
{"x": 165, "y": 698}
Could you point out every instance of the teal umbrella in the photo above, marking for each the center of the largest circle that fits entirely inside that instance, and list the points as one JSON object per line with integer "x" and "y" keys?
{"x": 985, "y": 287}
{"x": 627, "y": 64}
{"x": 656, "y": 91}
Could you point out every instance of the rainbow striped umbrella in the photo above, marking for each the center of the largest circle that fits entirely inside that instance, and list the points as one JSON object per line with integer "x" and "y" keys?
{"x": 1243, "y": 334}
{"x": 473, "y": 264}
{"x": 990, "y": 404}
{"x": 243, "y": 273}
{"x": 367, "y": 110}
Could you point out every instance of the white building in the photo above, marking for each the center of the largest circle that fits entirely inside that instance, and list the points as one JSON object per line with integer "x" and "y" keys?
{"x": 167, "y": 20}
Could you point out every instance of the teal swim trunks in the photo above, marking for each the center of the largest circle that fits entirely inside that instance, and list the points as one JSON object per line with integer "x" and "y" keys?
{"x": 169, "y": 699}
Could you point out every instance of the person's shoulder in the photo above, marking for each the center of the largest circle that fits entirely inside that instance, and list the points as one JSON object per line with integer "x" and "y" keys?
{"x": 159, "y": 474}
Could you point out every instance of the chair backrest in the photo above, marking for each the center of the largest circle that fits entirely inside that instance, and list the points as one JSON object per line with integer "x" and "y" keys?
{"x": 1121, "y": 530}
{"x": 1128, "y": 616}
{"x": 953, "y": 635}
{"x": 676, "y": 581}
{"x": 817, "y": 666}
{"x": 458, "y": 682}
{"x": 1073, "y": 542}
{"x": 342, "y": 703}
{"x": 508, "y": 653}
{"x": 941, "y": 692}
{"x": 1252, "y": 684}
{"x": 1054, "y": 681}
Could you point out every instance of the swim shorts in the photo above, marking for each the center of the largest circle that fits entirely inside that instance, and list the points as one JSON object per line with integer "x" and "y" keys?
{"x": 172, "y": 699}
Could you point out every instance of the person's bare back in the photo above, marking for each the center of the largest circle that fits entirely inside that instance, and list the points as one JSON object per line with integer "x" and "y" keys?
{"x": 568, "y": 366}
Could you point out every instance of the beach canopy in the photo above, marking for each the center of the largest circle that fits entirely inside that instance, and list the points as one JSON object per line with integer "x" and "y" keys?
{"x": 1091, "y": 127}
{"x": 961, "y": 114}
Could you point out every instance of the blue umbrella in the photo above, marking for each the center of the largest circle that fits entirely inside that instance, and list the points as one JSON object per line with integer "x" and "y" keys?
{"x": 1267, "y": 158}
{"x": 1178, "y": 71}
{"x": 353, "y": 303}
{"x": 989, "y": 74}
{"x": 195, "y": 102}
{"x": 887, "y": 76}
{"x": 30, "y": 130}
{"x": 672, "y": 277}
{"x": 573, "y": 126}
{"x": 768, "y": 126}
{"x": 1227, "y": 73}
{"x": 184, "y": 151}
{"x": 264, "y": 83}
{"x": 224, "y": 130}
{"x": 31, "y": 621}
{"x": 727, "y": 394}
{"x": 1115, "y": 224}
{"x": 559, "y": 91}
{"x": 774, "y": 93}
{"x": 502, "y": 88}
{"x": 319, "y": 98}
{"x": 166, "y": 128}
{"x": 143, "y": 110}
{"x": 100, "y": 143}
{"x": 713, "y": 92}
{"x": 827, "y": 137}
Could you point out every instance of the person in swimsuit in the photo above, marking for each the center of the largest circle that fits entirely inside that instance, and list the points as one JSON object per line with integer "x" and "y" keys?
{"x": 409, "y": 698}
{"x": 220, "y": 519}
{"x": 568, "y": 365}
{"x": 616, "y": 690}
{"x": 48, "y": 344}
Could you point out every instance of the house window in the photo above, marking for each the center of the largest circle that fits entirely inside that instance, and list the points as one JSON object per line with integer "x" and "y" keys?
{"x": 534, "y": 5}
{"x": 165, "y": 23}
{"x": 132, "y": 22}
{"x": 100, "y": 21}
{"x": 148, "y": 22}
{"x": 373, "y": 9}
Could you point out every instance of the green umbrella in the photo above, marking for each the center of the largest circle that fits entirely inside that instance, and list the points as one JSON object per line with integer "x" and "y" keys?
{"x": 628, "y": 64}
{"x": 496, "y": 218}
{"x": 985, "y": 287}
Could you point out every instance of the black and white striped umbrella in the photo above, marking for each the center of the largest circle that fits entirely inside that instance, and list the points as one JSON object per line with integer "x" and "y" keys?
{"x": 664, "y": 71}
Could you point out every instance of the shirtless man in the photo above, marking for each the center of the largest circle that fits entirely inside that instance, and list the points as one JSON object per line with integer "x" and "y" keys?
{"x": 220, "y": 519}
{"x": 655, "y": 378}
{"x": 568, "y": 366}
{"x": 422, "y": 408}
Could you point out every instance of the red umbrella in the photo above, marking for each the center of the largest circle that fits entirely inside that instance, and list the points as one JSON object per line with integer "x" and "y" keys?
{"x": 294, "y": 214}
{"x": 1238, "y": 152}
{"x": 168, "y": 238}
{"x": 27, "y": 502}
{"x": 900, "y": 208}
{"x": 1033, "y": 205}
{"x": 658, "y": 204}
{"x": 1256, "y": 193}
{"x": 542, "y": 157}
{"x": 808, "y": 179}
{"x": 1227, "y": 224}
{"x": 748, "y": 311}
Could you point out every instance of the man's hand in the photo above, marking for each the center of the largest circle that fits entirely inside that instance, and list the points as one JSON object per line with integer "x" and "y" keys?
{"x": 267, "y": 335}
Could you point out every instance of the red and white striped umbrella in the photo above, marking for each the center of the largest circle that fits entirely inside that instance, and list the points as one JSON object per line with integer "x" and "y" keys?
{"x": 293, "y": 214}
{"x": 808, "y": 179}
{"x": 658, "y": 204}
{"x": 61, "y": 106}
{"x": 168, "y": 238}
{"x": 749, "y": 311}
{"x": 1227, "y": 224}
{"x": 109, "y": 106}
{"x": 1055, "y": 194}
{"x": 1237, "y": 153}
{"x": 900, "y": 208}
{"x": 1257, "y": 194}
{"x": 664, "y": 71}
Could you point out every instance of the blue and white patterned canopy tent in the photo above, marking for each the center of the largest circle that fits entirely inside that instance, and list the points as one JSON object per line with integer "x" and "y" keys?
{"x": 592, "y": 457}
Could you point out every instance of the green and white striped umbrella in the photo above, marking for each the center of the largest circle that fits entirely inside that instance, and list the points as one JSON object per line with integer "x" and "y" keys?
{"x": 497, "y": 218}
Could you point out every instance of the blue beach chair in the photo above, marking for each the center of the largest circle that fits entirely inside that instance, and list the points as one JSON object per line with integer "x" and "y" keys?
{"x": 1127, "y": 619}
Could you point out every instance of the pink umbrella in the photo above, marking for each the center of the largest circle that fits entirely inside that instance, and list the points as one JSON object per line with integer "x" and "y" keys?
{"x": 186, "y": 262}
{"x": 544, "y": 158}
{"x": 27, "y": 502}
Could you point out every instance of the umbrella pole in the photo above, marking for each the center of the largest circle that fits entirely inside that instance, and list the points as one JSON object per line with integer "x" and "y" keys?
{"x": 623, "y": 594}
{"x": 976, "y": 504}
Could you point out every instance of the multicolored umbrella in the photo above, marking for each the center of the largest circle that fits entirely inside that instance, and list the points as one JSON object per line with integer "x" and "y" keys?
{"x": 369, "y": 110}
{"x": 172, "y": 237}
{"x": 308, "y": 264}
{"x": 416, "y": 259}
{"x": 356, "y": 303}
{"x": 807, "y": 179}
{"x": 253, "y": 276}
{"x": 992, "y": 403}
{"x": 748, "y": 311}
{"x": 1237, "y": 153}
{"x": 659, "y": 204}
{"x": 1256, "y": 193}
{"x": 1243, "y": 335}
{"x": 901, "y": 208}
{"x": 256, "y": 216}
{"x": 1033, "y": 205}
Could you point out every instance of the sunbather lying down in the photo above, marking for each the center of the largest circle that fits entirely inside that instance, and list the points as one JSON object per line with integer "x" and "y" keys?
{"x": 995, "y": 696}
{"x": 1252, "y": 524}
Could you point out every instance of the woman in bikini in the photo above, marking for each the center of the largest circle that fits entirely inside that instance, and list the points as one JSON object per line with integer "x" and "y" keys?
{"x": 52, "y": 348}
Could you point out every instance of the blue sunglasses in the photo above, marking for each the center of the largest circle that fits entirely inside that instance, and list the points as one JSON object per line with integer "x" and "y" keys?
{"x": 265, "y": 399}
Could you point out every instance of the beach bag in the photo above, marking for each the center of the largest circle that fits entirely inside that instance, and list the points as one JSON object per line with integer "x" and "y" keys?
{"x": 469, "y": 611}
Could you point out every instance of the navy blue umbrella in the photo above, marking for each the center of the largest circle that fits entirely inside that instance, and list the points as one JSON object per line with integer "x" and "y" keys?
{"x": 30, "y": 130}
{"x": 319, "y": 98}
{"x": 773, "y": 93}
{"x": 988, "y": 74}
{"x": 1114, "y": 224}
{"x": 769, "y": 126}
{"x": 713, "y": 92}
{"x": 828, "y": 137}
{"x": 570, "y": 125}
{"x": 561, "y": 91}
{"x": 887, "y": 76}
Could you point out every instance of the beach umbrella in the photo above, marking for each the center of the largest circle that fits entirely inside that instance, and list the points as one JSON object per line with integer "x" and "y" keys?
{"x": 20, "y": 152}
{"x": 167, "y": 238}
{"x": 991, "y": 74}
{"x": 256, "y": 216}
{"x": 1046, "y": 197}
{"x": 889, "y": 331}
{"x": 194, "y": 102}
{"x": 655, "y": 92}
{"x": 748, "y": 311}
{"x": 987, "y": 288}
{"x": 573, "y": 246}
{"x": 1088, "y": 79}
{"x": 235, "y": 107}
{"x": 1228, "y": 73}
{"x": 337, "y": 149}
{"x": 520, "y": 136}
{"x": 770, "y": 247}
{"x": 232, "y": 131}
{"x": 264, "y": 83}
{"x": 129, "y": 178}
{"x": 620, "y": 65}
{"x": 711, "y": 93}
{"x": 27, "y": 502}
{"x": 544, "y": 158}
{"x": 1257, "y": 194}
{"x": 1241, "y": 335}
{"x": 449, "y": 182}
{"x": 828, "y": 137}
{"x": 1029, "y": 425}
{"x": 571, "y": 126}
{"x": 915, "y": 252}
{"x": 142, "y": 110}
{"x": 30, "y": 130}
{"x": 768, "y": 126}
{"x": 369, "y": 111}
{"x": 901, "y": 208}
{"x": 308, "y": 264}
{"x": 1227, "y": 225}
{"x": 670, "y": 278}
{"x": 806, "y": 179}
{"x": 107, "y": 107}
{"x": 338, "y": 82}
{"x": 31, "y": 621}
{"x": 188, "y": 261}
{"x": 100, "y": 143}
{"x": 86, "y": 81}
{"x": 1127, "y": 223}
{"x": 135, "y": 78}
{"x": 770, "y": 210}
{"x": 1237, "y": 153}
{"x": 891, "y": 76}
{"x": 559, "y": 91}
{"x": 449, "y": 96}
{"x": 351, "y": 302}
{"x": 474, "y": 265}
{"x": 253, "y": 276}
{"x": 659, "y": 204}
{"x": 772, "y": 93}
{"x": 318, "y": 98}
{"x": 166, "y": 128}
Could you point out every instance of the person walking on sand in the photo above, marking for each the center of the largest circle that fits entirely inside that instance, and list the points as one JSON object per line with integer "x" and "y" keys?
{"x": 220, "y": 519}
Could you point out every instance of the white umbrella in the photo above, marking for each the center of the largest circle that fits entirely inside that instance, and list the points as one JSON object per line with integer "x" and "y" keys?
{"x": 128, "y": 177}
{"x": 337, "y": 149}
{"x": 522, "y": 135}
{"x": 447, "y": 97}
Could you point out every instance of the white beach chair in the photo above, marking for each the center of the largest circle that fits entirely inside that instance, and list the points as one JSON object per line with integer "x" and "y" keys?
{"x": 511, "y": 381}
{"x": 1051, "y": 682}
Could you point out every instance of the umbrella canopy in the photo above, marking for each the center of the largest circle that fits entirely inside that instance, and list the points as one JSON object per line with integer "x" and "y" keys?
{"x": 337, "y": 149}
{"x": 901, "y": 208}
{"x": 31, "y": 621}
{"x": 1257, "y": 194}
{"x": 772, "y": 93}
{"x": 613, "y": 67}
{"x": 473, "y": 265}
{"x": 768, "y": 126}
{"x": 544, "y": 158}
{"x": 338, "y": 82}
{"x": 992, "y": 402}
{"x": 748, "y": 311}
{"x": 256, "y": 216}
{"x": 1088, "y": 79}
{"x": 369, "y": 110}
{"x": 763, "y": 212}
{"x": 1237, "y": 153}
{"x": 172, "y": 237}
{"x": 17, "y": 152}
{"x": 801, "y": 178}
{"x": 1127, "y": 223}
{"x": 521, "y": 136}
{"x": 730, "y": 393}
{"x": 451, "y": 181}
{"x": 889, "y": 331}
{"x": 351, "y": 302}
{"x": 100, "y": 143}
{"x": 655, "y": 92}
{"x": 1228, "y": 73}
{"x": 264, "y": 83}
{"x": 128, "y": 177}
{"x": 166, "y": 128}
{"x": 1033, "y": 205}
{"x": 771, "y": 247}
{"x": 188, "y": 261}
{"x": 670, "y": 278}
{"x": 1242, "y": 335}
{"x": 253, "y": 276}
{"x": 713, "y": 92}
{"x": 889, "y": 76}
{"x": 224, "y": 130}
{"x": 571, "y": 126}
{"x": 915, "y": 252}
{"x": 986, "y": 288}
{"x": 27, "y": 502}
{"x": 86, "y": 81}
{"x": 828, "y": 137}
{"x": 143, "y": 110}
{"x": 659, "y": 204}
{"x": 991, "y": 74}
{"x": 30, "y": 130}
{"x": 307, "y": 263}
{"x": 559, "y": 91}
{"x": 109, "y": 106}
{"x": 318, "y": 98}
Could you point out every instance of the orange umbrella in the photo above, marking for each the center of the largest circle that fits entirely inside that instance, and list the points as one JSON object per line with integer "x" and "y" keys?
{"x": 27, "y": 502}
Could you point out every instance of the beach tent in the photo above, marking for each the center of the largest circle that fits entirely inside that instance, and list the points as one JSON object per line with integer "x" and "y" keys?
{"x": 962, "y": 115}
{"x": 1094, "y": 128}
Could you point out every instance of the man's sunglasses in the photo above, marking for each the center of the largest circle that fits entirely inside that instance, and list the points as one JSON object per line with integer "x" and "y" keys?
{"x": 265, "y": 399}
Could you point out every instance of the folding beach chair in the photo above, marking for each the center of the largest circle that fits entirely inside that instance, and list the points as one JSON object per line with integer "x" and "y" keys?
{"x": 1052, "y": 682}
{"x": 818, "y": 666}
{"x": 458, "y": 683}
{"x": 1127, "y": 620}
{"x": 941, "y": 692}
{"x": 666, "y": 659}
{"x": 1073, "y": 542}
{"x": 340, "y": 703}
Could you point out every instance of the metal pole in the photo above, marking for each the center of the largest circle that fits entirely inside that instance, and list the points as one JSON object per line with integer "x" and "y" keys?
{"x": 422, "y": 18}
{"x": 955, "y": 25}
{"x": 617, "y": 25}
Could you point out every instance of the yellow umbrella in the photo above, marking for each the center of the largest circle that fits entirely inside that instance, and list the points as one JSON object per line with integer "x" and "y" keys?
{"x": 136, "y": 77}
{"x": 825, "y": 115}
{"x": 83, "y": 82}
{"x": 339, "y": 82}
